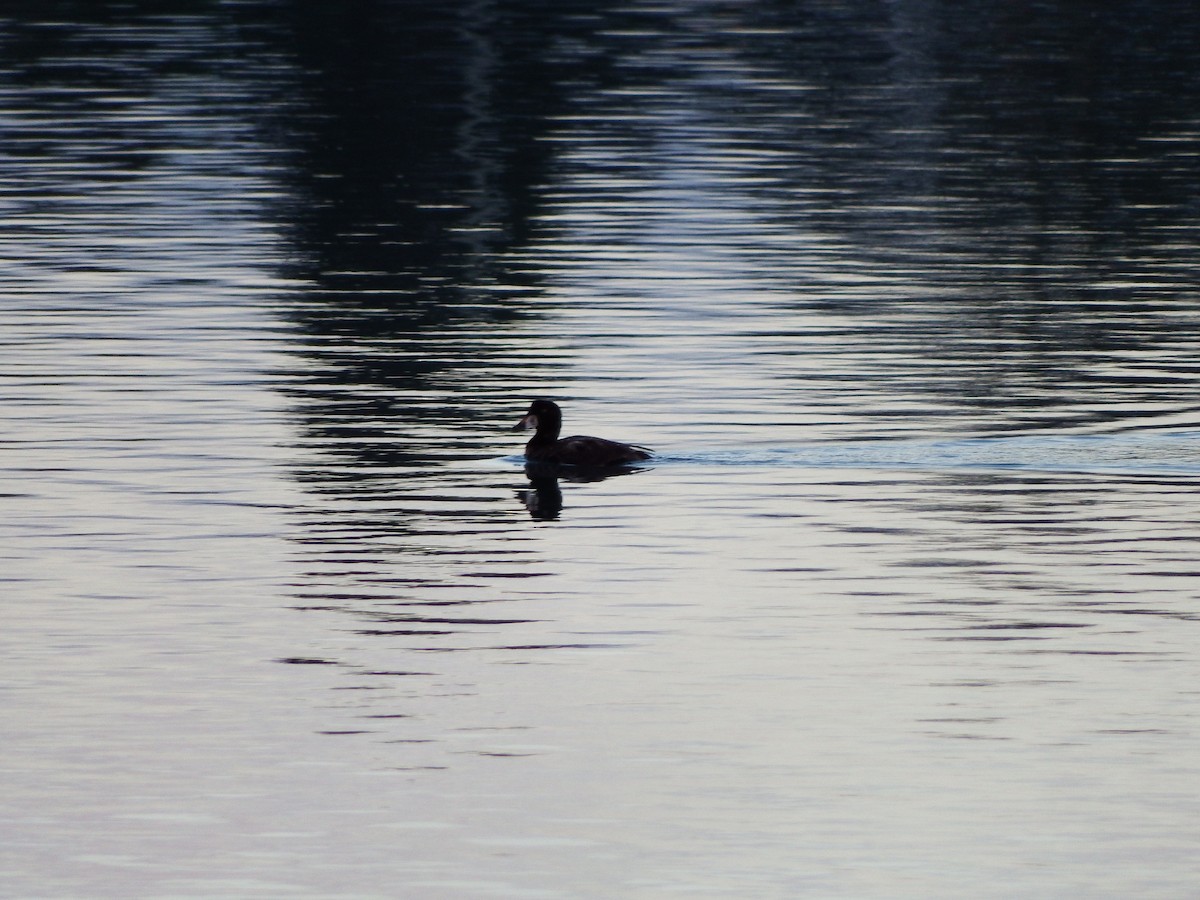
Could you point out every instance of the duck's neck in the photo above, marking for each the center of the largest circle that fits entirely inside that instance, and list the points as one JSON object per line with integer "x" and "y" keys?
{"x": 547, "y": 431}
{"x": 543, "y": 436}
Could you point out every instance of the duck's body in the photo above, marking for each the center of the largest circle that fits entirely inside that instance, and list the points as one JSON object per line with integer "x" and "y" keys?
{"x": 546, "y": 446}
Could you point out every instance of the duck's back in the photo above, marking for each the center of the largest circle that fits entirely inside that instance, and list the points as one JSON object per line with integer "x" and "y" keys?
{"x": 582, "y": 450}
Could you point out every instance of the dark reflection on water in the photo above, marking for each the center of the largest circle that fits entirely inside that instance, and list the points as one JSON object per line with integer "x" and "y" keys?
{"x": 981, "y": 216}
{"x": 544, "y": 496}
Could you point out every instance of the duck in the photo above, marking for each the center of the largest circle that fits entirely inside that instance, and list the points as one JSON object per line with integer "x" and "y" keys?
{"x": 544, "y": 418}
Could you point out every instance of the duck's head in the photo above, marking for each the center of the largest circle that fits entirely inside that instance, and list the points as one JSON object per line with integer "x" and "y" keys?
{"x": 543, "y": 416}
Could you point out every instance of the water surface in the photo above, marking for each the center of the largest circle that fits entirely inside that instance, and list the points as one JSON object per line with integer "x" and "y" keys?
{"x": 903, "y": 295}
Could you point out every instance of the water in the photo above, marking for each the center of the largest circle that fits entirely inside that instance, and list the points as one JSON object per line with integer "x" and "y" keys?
{"x": 903, "y": 295}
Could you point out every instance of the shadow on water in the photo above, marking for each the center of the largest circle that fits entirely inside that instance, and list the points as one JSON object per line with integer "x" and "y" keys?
{"x": 544, "y": 497}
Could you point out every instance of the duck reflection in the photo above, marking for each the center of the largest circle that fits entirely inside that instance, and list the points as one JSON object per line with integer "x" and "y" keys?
{"x": 544, "y": 498}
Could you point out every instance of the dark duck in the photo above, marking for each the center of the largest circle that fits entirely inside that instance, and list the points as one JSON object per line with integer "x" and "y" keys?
{"x": 545, "y": 419}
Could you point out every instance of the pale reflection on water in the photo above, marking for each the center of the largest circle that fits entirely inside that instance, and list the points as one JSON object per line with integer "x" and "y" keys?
{"x": 904, "y": 606}
{"x": 776, "y": 666}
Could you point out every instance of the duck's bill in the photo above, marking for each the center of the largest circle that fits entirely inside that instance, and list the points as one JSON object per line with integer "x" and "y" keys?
{"x": 529, "y": 423}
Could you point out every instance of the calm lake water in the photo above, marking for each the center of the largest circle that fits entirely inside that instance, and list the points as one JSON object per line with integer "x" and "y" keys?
{"x": 905, "y": 297}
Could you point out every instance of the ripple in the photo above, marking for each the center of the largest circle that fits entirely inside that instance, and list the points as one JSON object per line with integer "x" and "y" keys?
{"x": 1160, "y": 453}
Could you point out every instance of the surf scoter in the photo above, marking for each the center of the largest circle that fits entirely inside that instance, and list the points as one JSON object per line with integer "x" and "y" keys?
{"x": 546, "y": 446}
